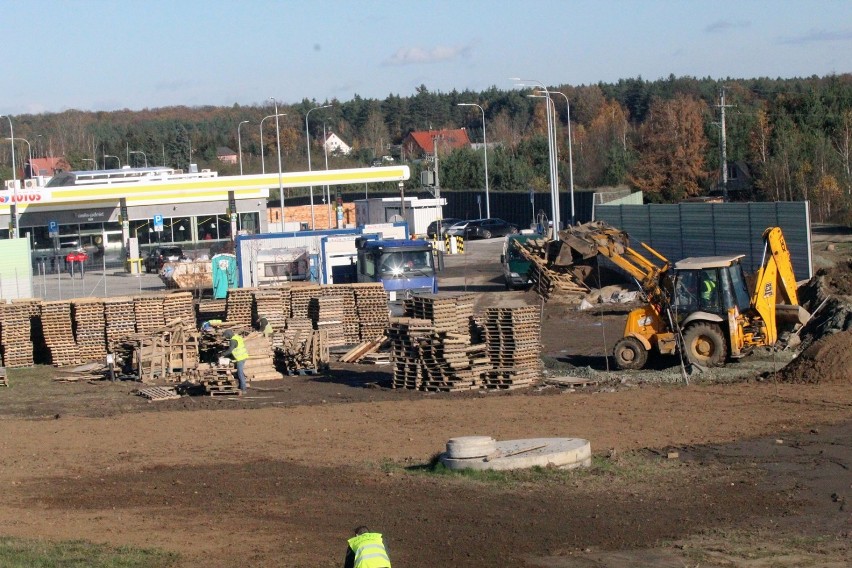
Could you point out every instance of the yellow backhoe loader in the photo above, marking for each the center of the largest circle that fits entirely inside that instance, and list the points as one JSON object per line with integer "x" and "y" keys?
{"x": 699, "y": 306}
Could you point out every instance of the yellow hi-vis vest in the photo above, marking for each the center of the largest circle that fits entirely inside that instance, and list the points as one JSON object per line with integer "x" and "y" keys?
{"x": 369, "y": 551}
{"x": 240, "y": 353}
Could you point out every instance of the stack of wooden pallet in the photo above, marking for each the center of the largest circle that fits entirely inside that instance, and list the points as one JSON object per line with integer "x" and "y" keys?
{"x": 371, "y": 304}
{"x": 179, "y": 305}
{"x": 90, "y": 324}
{"x": 218, "y": 381}
{"x": 513, "y": 336}
{"x": 550, "y": 280}
{"x": 239, "y": 308}
{"x": 211, "y": 310}
{"x": 327, "y": 314}
{"x": 446, "y": 363}
{"x": 119, "y": 319}
{"x": 260, "y": 365}
{"x": 405, "y": 335}
{"x": 447, "y": 312}
{"x": 149, "y": 313}
{"x": 351, "y": 333}
{"x": 58, "y": 334}
{"x": 271, "y": 304}
{"x": 15, "y": 341}
{"x": 300, "y": 297}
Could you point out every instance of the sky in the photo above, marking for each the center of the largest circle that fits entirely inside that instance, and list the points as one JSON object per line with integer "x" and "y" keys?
{"x": 103, "y": 55}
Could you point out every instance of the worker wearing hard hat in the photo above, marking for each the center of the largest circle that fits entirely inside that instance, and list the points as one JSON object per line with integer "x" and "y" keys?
{"x": 366, "y": 550}
{"x": 237, "y": 350}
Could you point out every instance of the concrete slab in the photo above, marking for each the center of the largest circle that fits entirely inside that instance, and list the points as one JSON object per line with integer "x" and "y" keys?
{"x": 564, "y": 453}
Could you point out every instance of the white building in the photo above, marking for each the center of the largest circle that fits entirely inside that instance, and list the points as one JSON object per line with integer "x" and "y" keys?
{"x": 333, "y": 144}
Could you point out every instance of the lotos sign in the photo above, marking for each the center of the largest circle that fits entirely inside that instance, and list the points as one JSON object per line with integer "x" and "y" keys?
{"x": 8, "y": 197}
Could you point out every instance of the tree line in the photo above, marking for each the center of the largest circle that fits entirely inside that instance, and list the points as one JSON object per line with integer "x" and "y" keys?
{"x": 789, "y": 137}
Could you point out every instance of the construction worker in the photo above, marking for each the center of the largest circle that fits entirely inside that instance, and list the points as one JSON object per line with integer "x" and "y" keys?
{"x": 265, "y": 327}
{"x": 366, "y": 550}
{"x": 237, "y": 350}
{"x": 708, "y": 287}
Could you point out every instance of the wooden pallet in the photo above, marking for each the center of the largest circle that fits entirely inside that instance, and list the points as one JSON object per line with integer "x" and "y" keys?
{"x": 159, "y": 393}
{"x": 4, "y": 380}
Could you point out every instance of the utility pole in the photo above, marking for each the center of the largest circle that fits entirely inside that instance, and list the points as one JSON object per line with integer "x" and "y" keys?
{"x": 724, "y": 145}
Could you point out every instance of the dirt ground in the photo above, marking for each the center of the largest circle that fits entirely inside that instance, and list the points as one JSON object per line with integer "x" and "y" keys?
{"x": 735, "y": 469}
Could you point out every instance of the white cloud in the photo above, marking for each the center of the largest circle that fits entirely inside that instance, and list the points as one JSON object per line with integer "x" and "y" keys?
{"x": 417, "y": 55}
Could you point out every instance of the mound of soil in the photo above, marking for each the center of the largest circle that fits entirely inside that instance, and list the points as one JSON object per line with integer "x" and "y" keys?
{"x": 828, "y": 360}
{"x": 838, "y": 279}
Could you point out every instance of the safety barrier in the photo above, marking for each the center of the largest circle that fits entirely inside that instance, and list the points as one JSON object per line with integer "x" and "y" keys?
{"x": 453, "y": 244}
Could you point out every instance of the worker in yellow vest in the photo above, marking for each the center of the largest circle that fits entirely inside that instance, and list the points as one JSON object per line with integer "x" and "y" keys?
{"x": 237, "y": 350}
{"x": 366, "y": 550}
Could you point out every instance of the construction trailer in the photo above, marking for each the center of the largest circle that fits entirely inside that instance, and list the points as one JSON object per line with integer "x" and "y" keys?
{"x": 324, "y": 257}
{"x": 416, "y": 212}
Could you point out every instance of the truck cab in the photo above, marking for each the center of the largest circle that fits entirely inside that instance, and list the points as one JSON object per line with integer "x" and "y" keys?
{"x": 516, "y": 268}
{"x": 403, "y": 267}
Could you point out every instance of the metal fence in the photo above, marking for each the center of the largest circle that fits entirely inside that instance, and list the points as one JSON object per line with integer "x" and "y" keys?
{"x": 715, "y": 229}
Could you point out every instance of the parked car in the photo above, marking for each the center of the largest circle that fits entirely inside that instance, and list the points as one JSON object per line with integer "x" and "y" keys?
{"x": 161, "y": 255}
{"x": 432, "y": 229}
{"x": 457, "y": 229}
{"x": 484, "y": 229}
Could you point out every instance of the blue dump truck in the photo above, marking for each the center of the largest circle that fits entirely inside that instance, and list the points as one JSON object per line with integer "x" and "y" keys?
{"x": 403, "y": 267}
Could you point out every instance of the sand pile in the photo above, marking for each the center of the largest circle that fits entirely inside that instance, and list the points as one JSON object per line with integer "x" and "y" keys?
{"x": 828, "y": 360}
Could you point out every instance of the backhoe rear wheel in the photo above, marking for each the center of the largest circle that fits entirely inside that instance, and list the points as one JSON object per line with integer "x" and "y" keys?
{"x": 630, "y": 354}
{"x": 705, "y": 344}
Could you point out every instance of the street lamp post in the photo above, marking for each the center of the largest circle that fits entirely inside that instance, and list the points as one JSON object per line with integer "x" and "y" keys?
{"x": 278, "y": 144}
{"x": 308, "y": 141}
{"x": 140, "y": 152}
{"x": 554, "y": 183}
{"x": 262, "y": 158}
{"x": 90, "y": 160}
{"x": 327, "y": 187}
{"x": 485, "y": 146}
{"x": 240, "y": 144}
{"x": 14, "y": 210}
{"x": 111, "y": 156}
{"x": 570, "y": 154}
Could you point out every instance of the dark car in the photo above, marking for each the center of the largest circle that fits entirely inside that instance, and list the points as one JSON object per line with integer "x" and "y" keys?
{"x": 488, "y": 228}
{"x": 432, "y": 229}
{"x": 161, "y": 255}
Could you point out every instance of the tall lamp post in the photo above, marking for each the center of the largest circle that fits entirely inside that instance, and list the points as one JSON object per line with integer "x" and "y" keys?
{"x": 14, "y": 209}
{"x": 240, "y": 144}
{"x": 262, "y": 159}
{"x": 485, "y": 146}
{"x": 111, "y": 156}
{"x": 570, "y": 153}
{"x": 140, "y": 152}
{"x": 554, "y": 187}
{"x": 278, "y": 144}
{"x": 327, "y": 187}
{"x": 308, "y": 141}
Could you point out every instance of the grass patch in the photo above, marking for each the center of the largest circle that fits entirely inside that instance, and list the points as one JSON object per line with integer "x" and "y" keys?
{"x": 23, "y": 553}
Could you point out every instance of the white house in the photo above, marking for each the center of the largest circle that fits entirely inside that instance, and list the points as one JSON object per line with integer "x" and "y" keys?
{"x": 333, "y": 144}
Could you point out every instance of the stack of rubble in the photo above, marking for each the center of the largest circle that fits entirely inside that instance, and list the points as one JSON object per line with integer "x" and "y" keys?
{"x": 148, "y": 311}
{"x": 345, "y": 292}
{"x": 89, "y": 323}
{"x": 405, "y": 335}
{"x": 58, "y": 334}
{"x": 513, "y": 336}
{"x": 119, "y": 320}
{"x": 327, "y": 314}
{"x": 179, "y": 305}
{"x": 15, "y": 342}
{"x": 371, "y": 305}
{"x": 239, "y": 306}
{"x": 300, "y": 298}
{"x": 548, "y": 279}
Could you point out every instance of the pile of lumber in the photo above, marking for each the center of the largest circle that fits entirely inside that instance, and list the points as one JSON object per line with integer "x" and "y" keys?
{"x": 371, "y": 305}
{"x": 164, "y": 353}
{"x": 260, "y": 366}
{"x": 405, "y": 335}
{"x": 58, "y": 334}
{"x": 513, "y": 337}
{"x": 119, "y": 321}
{"x": 550, "y": 280}
{"x": 304, "y": 349}
{"x": 239, "y": 306}
{"x": 349, "y": 313}
{"x": 16, "y": 344}
{"x": 89, "y": 323}
{"x": 148, "y": 311}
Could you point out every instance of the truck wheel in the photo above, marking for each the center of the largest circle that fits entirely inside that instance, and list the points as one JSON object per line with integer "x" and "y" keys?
{"x": 705, "y": 344}
{"x": 630, "y": 354}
